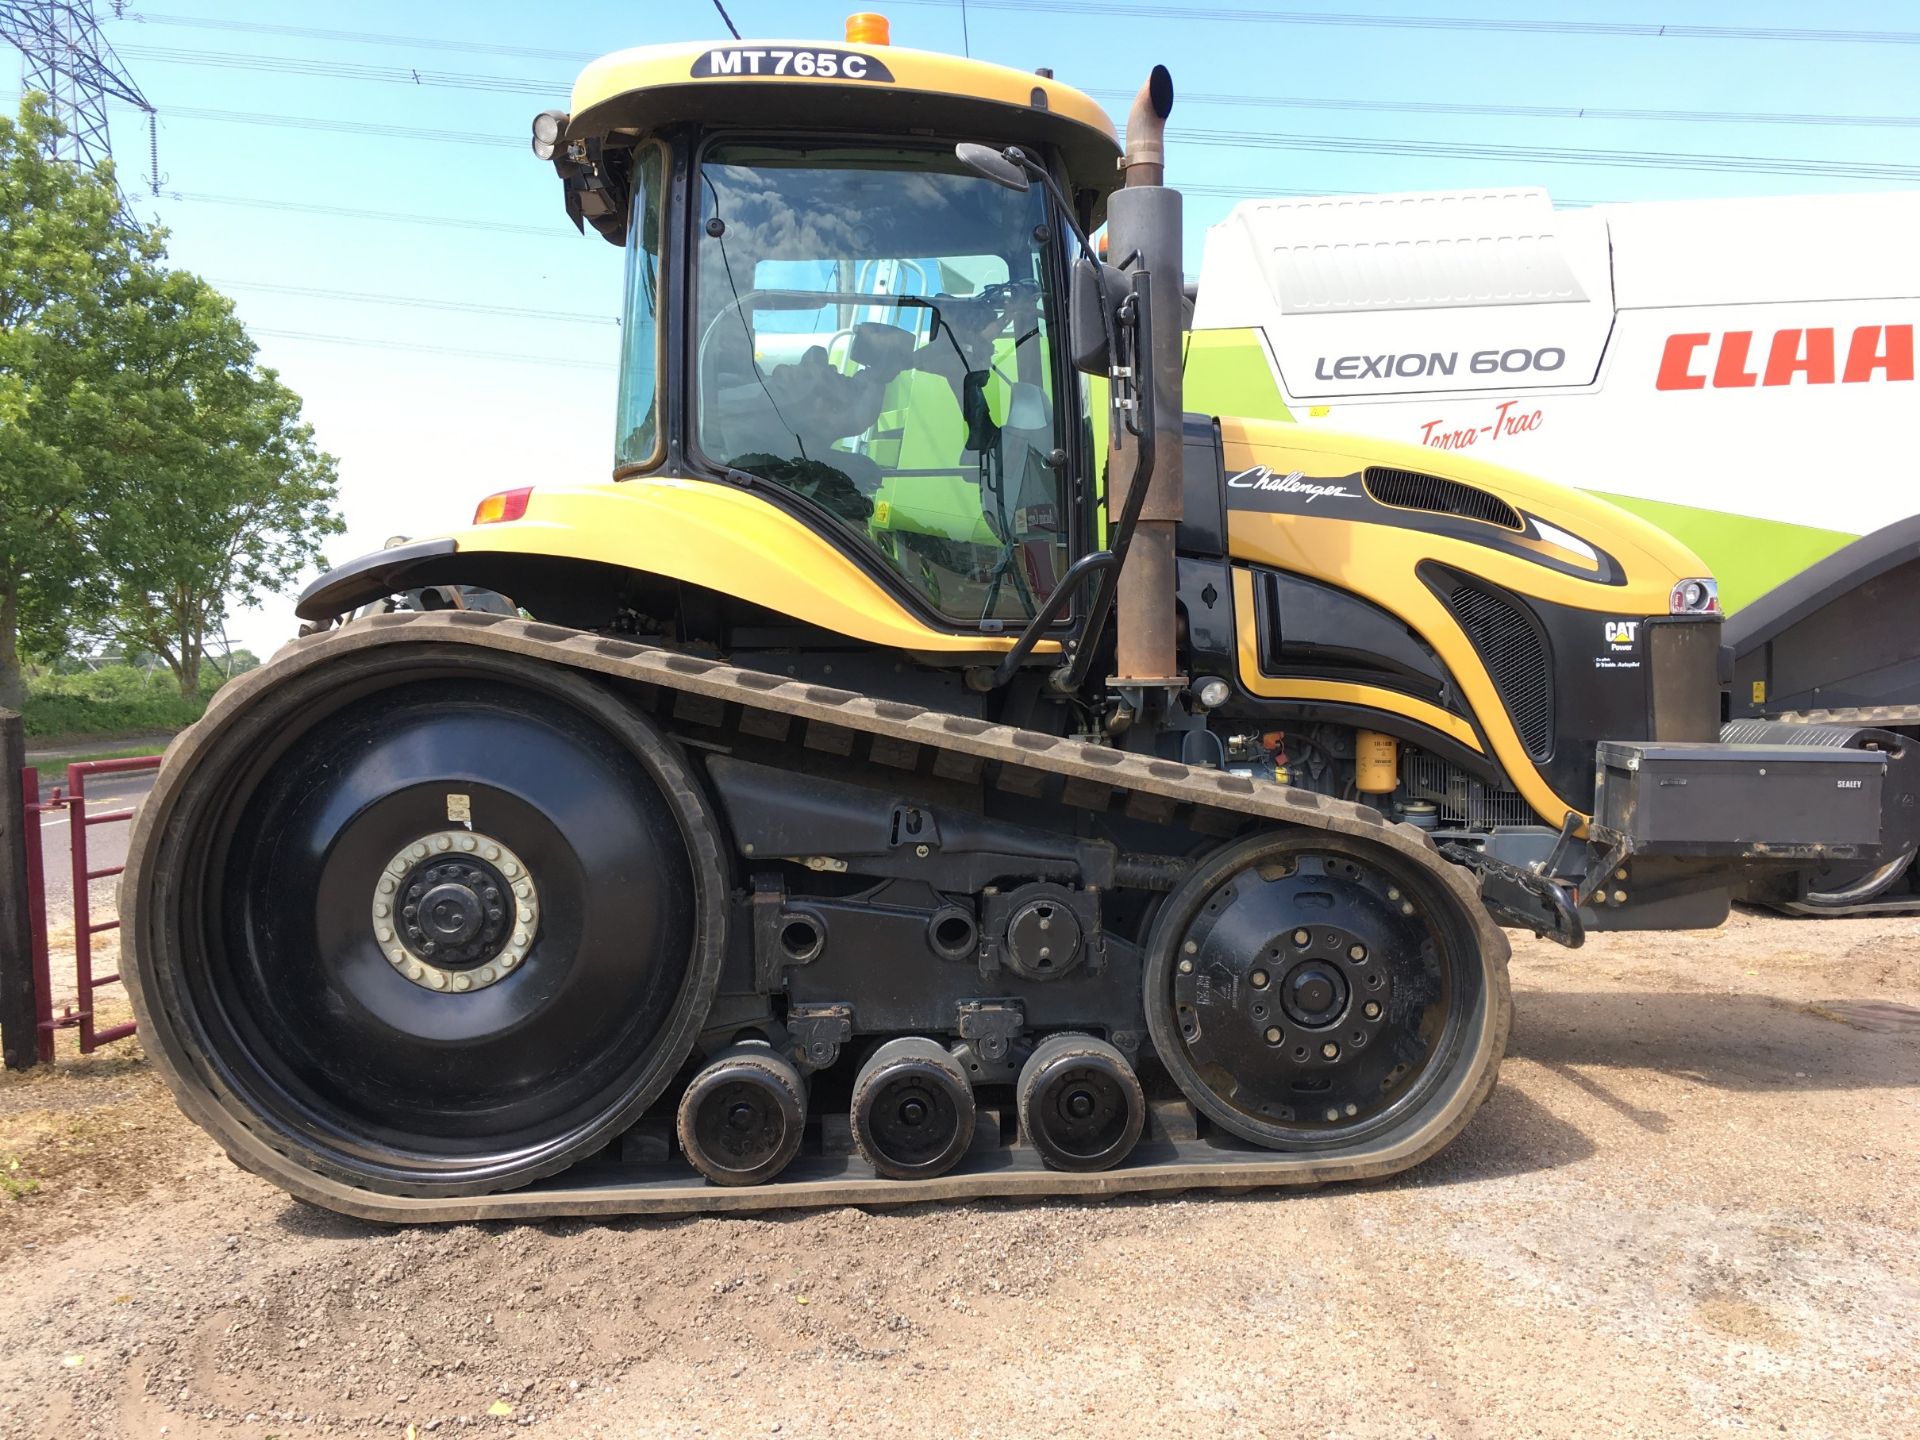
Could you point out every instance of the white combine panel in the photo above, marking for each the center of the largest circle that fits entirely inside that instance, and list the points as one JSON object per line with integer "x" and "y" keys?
{"x": 1743, "y": 369}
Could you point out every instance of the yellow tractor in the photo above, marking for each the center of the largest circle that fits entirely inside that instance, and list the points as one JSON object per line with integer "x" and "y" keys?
{"x": 934, "y": 764}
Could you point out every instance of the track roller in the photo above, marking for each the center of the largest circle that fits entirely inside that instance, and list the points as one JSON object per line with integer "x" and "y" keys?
{"x": 1081, "y": 1105}
{"x": 741, "y": 1118}
{"x": 912, "y": 1110}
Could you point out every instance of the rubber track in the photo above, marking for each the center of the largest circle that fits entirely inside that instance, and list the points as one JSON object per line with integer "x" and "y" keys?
{"x": 1870, "y": 717}
{"x": 1160, "y": 1165}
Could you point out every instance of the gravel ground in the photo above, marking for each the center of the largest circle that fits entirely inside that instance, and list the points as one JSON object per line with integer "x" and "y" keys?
{"x": 1691, "y": 1208}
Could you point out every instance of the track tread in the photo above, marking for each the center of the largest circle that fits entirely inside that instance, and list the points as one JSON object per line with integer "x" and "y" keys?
{"x": 1207, "y": 799}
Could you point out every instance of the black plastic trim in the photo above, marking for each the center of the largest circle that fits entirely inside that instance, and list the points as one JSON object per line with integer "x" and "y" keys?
{"x": 367, "y": 578}
{"x": 1823, "y": 582}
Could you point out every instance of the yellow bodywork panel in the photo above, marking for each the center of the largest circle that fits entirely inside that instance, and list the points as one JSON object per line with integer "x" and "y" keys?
{"x": 651, "y": 67}
{"x": 727, "y": 539}
{"x": 1582, "y": 553}
{"x": 1377, "y": 560}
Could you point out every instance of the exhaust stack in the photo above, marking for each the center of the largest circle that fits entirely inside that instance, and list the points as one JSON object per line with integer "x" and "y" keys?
{"x": 1144, "y": 216}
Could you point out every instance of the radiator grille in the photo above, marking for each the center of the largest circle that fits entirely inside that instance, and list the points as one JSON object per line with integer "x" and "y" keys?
{"x": 1463, "y": 801}
{"x": 1410, "y": 490}
{"x": 1516, "y": 657}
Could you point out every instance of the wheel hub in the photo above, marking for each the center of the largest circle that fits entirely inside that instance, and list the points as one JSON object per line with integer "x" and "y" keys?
{"x": 1308, "y": 997}
{"x": 1314, "y": 994}
{"x": 455, "y": 911}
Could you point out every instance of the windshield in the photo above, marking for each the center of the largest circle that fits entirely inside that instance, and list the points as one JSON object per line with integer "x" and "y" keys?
{"x": 872, "y": 334}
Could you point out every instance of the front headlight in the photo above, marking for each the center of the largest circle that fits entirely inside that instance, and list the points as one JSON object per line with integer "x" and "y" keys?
{"x": 548, "y": 127}
{"x": 1695, "y": 597}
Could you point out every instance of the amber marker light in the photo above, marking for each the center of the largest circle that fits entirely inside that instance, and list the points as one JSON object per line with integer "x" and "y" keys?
{"x": 867, "y": 28}
{"x": 507, "y": 505}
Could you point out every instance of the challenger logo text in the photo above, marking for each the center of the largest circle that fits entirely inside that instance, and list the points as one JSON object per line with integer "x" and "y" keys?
{"x": 1294, "y": 483}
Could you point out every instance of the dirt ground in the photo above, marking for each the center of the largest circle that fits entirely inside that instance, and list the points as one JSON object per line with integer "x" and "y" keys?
{"x": 1691, "y": 1208}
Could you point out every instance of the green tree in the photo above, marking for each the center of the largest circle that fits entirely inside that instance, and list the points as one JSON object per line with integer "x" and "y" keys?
{"x": 225, "y": 498}
{"x": 152, "y": 475}
{"x": 64, "y": 264}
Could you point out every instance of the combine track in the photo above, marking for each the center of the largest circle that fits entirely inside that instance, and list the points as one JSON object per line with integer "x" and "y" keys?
{"x": 1869, "y": 717}
{"x": 635, "y": 1176}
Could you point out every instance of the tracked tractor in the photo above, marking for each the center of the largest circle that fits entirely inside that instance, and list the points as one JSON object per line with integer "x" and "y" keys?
{"x": 934, "y": 764}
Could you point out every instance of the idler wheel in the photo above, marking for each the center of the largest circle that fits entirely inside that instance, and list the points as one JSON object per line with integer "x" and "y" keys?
{"x": 1081, "y": 1105}
{"x": 1316, "y": 991}
{"x": 741, "y": 1118}
{"x": 912, "y": 1110}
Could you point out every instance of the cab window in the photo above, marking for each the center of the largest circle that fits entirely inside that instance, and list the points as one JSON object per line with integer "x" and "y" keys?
{"x": 871, "y": 333}
{"x": 637, "y": 439}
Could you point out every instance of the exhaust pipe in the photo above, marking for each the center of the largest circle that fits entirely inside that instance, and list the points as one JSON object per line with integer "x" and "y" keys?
{"x": 1144, "y": 216}
{"x": 1145, "y": 162}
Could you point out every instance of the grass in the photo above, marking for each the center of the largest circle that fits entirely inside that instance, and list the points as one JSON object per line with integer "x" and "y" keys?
{"x": 13, "y": 1184}
{"x": 53, "y": 768}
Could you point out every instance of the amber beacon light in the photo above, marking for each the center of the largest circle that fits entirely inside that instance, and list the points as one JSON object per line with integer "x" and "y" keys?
{"x": 866, "y": 28}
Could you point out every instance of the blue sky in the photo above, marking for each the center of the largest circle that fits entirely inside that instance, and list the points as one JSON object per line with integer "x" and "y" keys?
{"x": 520, "y": 399}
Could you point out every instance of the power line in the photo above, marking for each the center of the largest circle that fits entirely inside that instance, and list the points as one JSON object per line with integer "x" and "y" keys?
{"x": 727, "y": 19}
{"x": 1256, "y": 192}
{"x": 344, "y": 127}
{"x": 363, "y": 37}
{"x": 1107, "y": 11}
{"x": 1531, "y": 112}
{"x": 346, "y": 70}
{"x": 544, "y": 361}
{"x": 1556, "y": 155}
{"x": 1639, "y": 30}
{"x": 417, "y": 302}
{"x": 546, "y": 88}
{"x": 400, "y": 217}
{"x": 1242, "y": 139}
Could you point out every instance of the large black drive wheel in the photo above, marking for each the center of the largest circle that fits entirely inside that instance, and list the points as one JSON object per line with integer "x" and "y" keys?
{"x": 428, "y": 923}
{"x": 1321, "y": 993}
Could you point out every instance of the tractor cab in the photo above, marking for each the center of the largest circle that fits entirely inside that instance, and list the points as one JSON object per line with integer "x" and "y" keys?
{"x": 842, "y": 315}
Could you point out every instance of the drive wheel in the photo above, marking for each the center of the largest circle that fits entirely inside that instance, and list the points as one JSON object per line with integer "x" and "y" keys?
{"x": 435, "y": 923}
{"x": 1315, "y": 992}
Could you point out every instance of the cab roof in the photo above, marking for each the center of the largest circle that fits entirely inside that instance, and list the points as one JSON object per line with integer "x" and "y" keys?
{"x": 874, "y": 89}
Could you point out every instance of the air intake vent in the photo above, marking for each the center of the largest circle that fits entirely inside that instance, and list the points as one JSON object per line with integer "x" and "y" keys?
{"x": 1516, "y": 657}
{"x": 1410, "y": 490}
{"x": 1461, "y": 799}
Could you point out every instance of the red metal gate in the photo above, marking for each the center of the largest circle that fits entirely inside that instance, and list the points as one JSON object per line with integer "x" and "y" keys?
{"x": 79, "y": 1016}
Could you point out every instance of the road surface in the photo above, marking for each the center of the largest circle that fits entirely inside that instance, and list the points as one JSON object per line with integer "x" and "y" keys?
{"x": 106, "y": 844}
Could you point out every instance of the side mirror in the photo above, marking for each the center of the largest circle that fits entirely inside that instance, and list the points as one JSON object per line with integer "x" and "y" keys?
{"x": 990, "y": 164}
{"x": 1096, "y": 287}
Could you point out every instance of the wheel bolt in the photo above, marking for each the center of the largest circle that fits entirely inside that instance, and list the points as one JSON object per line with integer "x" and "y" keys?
{"x": 1258, "y": 979}
{"x": 1356, "y": 953}
{"x": 1300, "y": 937}
{"x": 1330, "y": 1050}
{"x": 1186, "y": 967}
{"x": 1371, "y": 1009}
{"x": 1273, "y": 1035}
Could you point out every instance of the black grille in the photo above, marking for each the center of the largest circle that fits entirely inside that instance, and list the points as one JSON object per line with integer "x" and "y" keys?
{"x": 1410, "y": 490}
{"x": 1516, "y": 657}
